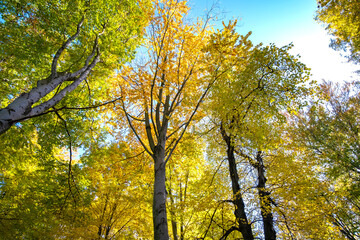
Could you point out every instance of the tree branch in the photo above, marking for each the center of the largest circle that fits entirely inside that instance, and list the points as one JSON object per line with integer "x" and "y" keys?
{"x": 63, "y": 47}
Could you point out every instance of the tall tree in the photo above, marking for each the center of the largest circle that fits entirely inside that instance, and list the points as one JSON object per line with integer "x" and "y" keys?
{"x": 264, "y": 82}
{"x": 49, "y": 48}
{"x": 230, "y": 52}
{"x": 161, "y": 96}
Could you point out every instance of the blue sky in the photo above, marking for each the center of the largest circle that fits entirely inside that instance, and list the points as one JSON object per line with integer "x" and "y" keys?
{"x": 282, "y": 22}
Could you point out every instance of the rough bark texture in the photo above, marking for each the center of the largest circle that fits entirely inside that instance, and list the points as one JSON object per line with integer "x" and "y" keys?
{"x": 265, "y": 203}
{"x": 159, "y": 201}
{"x": 243, "y": 225}
{"x": 161, "y": 231}
{"x": 21, "y": 108}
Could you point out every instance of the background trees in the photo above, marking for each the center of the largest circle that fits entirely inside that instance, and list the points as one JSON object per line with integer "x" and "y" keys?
{"x": 329, "y": 130}
{"x": 342, "y": 21}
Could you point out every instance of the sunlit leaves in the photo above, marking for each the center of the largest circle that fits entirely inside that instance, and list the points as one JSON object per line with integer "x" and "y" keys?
{"x": 342, "y": 20}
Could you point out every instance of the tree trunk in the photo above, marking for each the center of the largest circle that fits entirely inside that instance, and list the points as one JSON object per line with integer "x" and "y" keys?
{"x": 241, "y": 218}
{"x": 21, "y": 108}
{"x": 264, "y": 196}
{"x": 174, "y": 228}
{"x": 182, "y": 200}
{"x": 159, "y": 201}
{"x": 172, "y": 210}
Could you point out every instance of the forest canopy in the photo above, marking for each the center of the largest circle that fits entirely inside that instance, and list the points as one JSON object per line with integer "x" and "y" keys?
{"x": 134, "y": 120}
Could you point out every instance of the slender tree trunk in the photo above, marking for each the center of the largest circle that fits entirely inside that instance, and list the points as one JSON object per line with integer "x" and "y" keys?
{"x": 174, "y": 228}
{"x": 159, "y": 202}
{"x": 264, "y": 196}
{"x": 183, "y": 200}
{"x": 182, "y": 231}
{"x": 182, "y": 237}
{"x": 240, "y": 214}
{"x": 172, "y": 209}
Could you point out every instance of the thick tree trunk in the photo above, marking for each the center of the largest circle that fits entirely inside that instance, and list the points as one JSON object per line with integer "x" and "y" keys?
{"x": 240, "y": 214}
{"x": 159, "y": 202}
{"x": 264, "y": 196}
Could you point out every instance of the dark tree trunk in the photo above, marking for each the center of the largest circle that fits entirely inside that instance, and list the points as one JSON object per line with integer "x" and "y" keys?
{"x": 182, "y": 200}
{"x": 240, "y": 214}
{"x": 265, "y": 201}
{"x": 174, "y": 228}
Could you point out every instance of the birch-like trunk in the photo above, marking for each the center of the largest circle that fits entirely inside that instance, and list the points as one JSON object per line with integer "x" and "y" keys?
{"x": 21, "y": 108}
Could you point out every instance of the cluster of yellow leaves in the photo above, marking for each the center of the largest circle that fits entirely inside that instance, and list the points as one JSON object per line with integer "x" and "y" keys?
{"x": 300, "y": 194}
{"x": 118, "y": 180}
{"x": 174, "y": 68}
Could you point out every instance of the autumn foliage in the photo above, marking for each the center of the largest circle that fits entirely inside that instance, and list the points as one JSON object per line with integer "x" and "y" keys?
{"x": 198, "y": 134}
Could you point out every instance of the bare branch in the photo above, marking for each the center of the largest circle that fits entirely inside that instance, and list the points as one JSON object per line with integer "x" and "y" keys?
{"x": 175, "y": 131}
{"x": 227, "y": 233}
{"x": 190, "y": 119}
{"x": 148, "y": 129}
{"x": 133, "y": 129}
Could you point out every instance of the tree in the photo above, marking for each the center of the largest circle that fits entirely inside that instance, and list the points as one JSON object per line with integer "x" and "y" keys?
{"x": 161, "y": 96}
{"x": 184, "y": 173}
{"x": 246, "y": 103}
{"x": 118, "y": 192}
{"x": 49, "y": 48}
{"x": 228, "y": 50}
{"x": 37, "y": 197}
{"x": 329, "y": 129}
{"x": 299, "y": 192}
{"x": 342, "y": 20}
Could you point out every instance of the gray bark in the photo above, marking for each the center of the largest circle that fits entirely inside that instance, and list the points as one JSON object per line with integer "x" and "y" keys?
{"x": 160, "y": 194}
{"x": 158, "y": 154}
{"x": 21, "y": 108}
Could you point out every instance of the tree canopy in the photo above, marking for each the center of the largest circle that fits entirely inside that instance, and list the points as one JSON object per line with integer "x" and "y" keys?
{"x": 134, "y": 120}
{"x": 342, "y": 20}
{"x": 49, "y": 48}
